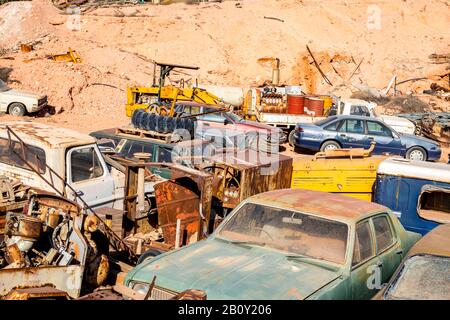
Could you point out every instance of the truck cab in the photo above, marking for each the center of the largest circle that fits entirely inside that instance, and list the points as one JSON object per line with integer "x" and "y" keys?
{"x": 32, "y": 151}
{"x": 358, "y": 107}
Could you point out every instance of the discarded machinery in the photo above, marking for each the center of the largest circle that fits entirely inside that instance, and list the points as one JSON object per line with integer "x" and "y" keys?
{"x": 52, "y": 242}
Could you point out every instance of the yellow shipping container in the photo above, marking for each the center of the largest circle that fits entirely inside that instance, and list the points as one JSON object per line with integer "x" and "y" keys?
{"x": 350, "y": 176}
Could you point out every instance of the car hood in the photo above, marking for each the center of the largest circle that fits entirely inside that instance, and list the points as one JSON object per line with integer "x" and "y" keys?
{"x": 413, "y": 139}
{"x": 25, "y": 94}
{"x": 230, "y": 271}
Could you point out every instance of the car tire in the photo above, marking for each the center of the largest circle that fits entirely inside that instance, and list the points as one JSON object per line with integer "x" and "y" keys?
{"x": 149, "y": 254}
{"x": 416, "y": 153}
{"x": 329, "y": 145}
{"x": 17, "y": 109}
{"x": 291, "y": 138}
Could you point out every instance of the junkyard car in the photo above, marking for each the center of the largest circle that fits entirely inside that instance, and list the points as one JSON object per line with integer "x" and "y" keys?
{"x": 210, "y": 117}
{"x": 425, "y": 272}
{"x": 287, "y": 244}
{"x": 358, "y": 132}
{"x": 18, "y": 102}
{"x": 417, "y": 192}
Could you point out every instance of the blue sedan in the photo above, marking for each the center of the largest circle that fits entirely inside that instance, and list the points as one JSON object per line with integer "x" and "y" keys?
{"x": 358, "y": 132}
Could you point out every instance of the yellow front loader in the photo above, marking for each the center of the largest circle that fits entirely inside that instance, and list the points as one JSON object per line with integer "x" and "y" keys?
{"x": 161, "y": 99}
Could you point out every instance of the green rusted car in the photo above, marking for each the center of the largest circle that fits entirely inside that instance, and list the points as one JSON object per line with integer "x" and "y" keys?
{"x": 285, "y": 244}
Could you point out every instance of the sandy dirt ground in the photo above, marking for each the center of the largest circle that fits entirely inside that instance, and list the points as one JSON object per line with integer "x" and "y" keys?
{"x": 225, "y": 40}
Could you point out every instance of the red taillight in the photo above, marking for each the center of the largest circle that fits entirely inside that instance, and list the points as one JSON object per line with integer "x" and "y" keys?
{"x": 299, "y": 129}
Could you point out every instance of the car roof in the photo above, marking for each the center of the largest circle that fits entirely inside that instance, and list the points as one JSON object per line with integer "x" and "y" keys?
{"x": 327, "y": 205}
{"x": 44, "y": 135}
{"x": 340, "y": 117}
{"x": 435, "y": 242}
{"x": 415, "y": 169}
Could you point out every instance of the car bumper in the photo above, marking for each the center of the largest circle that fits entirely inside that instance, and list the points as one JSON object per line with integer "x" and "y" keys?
{"x": 434, "y": 155}
{"x": 38, "y": 107}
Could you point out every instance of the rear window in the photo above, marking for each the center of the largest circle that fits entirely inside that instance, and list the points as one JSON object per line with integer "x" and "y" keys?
{"x": 424, "y": 277}
{"x": 324, "y": 121}
{"x": 9, "y": 154}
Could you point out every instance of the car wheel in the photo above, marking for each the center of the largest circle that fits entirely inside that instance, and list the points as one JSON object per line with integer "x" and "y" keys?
{"x": 416, "y": 153}
{"x": 291, "y": 138}
{"x": 147, "y": 255}
{"x": 17, "y": 109}
{"x": 329, "y": 145}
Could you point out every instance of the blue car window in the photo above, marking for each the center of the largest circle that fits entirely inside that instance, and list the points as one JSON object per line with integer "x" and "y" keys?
{"x": 352, "y": 126}
{"x": 377, "y": 129}
{"x": 333, "y": 126}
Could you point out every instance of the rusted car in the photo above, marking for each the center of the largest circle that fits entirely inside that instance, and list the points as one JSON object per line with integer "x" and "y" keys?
{"x": 424, "y": 274}
{"x": 287, "y": 244}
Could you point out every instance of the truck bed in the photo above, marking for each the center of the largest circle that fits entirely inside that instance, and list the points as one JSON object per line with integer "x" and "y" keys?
{"x": 285, "y": 118}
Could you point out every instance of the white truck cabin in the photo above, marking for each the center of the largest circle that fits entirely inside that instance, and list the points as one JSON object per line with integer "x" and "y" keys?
{"x": 73, "y": 156}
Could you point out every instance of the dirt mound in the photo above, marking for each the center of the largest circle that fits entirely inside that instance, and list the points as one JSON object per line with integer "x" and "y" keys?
{"x": 225, "y": 41}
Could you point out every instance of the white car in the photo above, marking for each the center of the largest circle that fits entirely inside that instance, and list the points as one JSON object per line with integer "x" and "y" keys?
{"x": 18, "y": 103}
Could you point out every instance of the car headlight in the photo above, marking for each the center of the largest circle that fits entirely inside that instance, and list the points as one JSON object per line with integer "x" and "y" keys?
{"x": 140, "y": 287}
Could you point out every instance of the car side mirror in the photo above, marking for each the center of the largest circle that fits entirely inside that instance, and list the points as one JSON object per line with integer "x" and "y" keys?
{"x": 225, "y": 121}
{"x": 395, "y": 135}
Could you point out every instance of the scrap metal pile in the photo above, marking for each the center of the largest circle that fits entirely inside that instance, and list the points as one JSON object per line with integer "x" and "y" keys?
{"x": 435, "y": 126}
{"x": 52, "y": 241}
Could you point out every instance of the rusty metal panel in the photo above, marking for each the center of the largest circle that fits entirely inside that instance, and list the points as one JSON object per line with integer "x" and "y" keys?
{"x": 67, "y": 279}
{"x": 256, "y": 180}
{"x": 175, "y": 201}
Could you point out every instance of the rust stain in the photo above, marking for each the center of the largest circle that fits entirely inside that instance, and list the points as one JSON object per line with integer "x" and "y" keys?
{"x": 320, "y": 203}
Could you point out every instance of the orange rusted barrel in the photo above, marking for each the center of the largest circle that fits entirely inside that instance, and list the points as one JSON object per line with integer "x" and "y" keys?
{"x": 314, "y": 105}
{"x": 295, "y": 104}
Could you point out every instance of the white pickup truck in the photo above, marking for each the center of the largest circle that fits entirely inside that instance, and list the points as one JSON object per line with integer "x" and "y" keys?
{"x": 288, "y": 121}
{"x": 73, "y": 156}
{"x": 18, "y": 102}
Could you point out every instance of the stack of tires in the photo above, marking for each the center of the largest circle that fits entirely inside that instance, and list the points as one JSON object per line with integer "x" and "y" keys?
{"x": 163, "y": 124}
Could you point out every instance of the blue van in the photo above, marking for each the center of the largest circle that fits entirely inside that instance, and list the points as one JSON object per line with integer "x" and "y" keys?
{"x": 417, "y": 192}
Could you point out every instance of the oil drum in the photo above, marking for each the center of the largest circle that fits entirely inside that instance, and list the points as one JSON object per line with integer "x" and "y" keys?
{"x": 327, "y": 103}
{"x": 295, "y": 104}
{"x": 314, "y": 105}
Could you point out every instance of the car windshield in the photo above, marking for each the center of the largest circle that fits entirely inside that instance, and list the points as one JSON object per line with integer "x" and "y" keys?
{"x": 423, "y": 277}
{"x": 234, "y": 117}
{"x": 3, "y": 86}
{"x": 324, "y": 121}
{"x": 295, "y": 233}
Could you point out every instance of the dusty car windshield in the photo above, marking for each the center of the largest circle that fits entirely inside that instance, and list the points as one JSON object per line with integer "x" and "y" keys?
{"x": 3, "y": 86}
{"x": 422, "y": 278}
{"x": 235, "y": 117}
{"x": 290, "y": 231}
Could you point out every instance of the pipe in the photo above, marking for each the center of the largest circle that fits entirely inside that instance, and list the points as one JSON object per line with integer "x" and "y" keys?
{"x": 177, "y": 234}
{"x": 141, "y": 190}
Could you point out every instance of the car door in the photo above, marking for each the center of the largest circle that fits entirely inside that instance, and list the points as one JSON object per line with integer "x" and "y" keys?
{"x": 386, "y": 140}
{"x": 364, "y": 262}
{"x": 88, "y": 175}
{"x": 388, "y": 246}
{"x": 351, "y": 133}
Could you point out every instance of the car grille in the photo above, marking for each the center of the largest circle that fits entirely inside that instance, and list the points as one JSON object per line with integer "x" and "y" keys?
{"x": 159, "y": 293}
